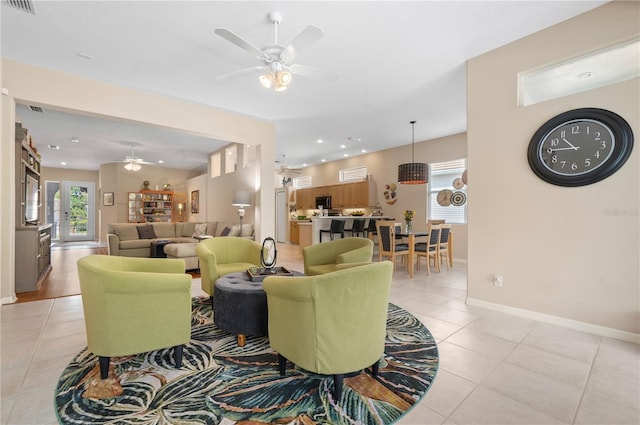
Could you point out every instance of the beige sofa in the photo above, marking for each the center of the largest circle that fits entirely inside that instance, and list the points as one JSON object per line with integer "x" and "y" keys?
{"x": 134, "y": 239}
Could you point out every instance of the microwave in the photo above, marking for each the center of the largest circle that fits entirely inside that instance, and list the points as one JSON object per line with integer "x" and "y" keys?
{"x": 323, "y": 202}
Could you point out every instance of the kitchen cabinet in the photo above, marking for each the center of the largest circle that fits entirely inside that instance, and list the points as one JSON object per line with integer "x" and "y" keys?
{"x": 294, "y": 232}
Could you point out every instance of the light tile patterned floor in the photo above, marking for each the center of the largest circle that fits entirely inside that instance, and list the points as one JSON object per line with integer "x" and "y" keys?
{"x": 495, "y": 368}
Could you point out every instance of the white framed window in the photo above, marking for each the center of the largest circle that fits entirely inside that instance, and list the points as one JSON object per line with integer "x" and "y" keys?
{"x": 230, "y": 159}
{"x": 216, "y": 165}
{"x": 304, "y": 181}
{"x": 441, "y": 177}
{"x": 350, "y": 174}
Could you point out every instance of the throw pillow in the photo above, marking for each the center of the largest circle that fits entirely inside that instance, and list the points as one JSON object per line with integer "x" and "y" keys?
{"x": 235, "y": 230}
{"x": 247, "y": 230}
{"x": 225, "y": 231}
{"x": 146, "y": 232}
{"x": 201, "y": 229}
{"x": 188, "y": 229}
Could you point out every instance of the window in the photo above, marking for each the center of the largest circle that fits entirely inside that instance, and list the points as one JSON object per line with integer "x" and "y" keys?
{"x": 441, "y": 176}
{"x": 299, "y": 182}
{"x": 349, "y": 174}
{"x": 216, "y": 165}
{"x": 230, "y": 159}
{"x": 249, "y": 156}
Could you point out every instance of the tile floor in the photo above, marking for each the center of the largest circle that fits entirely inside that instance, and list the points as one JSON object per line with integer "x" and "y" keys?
{"x": 495, "y": 368}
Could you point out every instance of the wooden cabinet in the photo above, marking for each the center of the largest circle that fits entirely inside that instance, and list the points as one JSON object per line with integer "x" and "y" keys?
{"x": 33, "y": 257}
{"x": 294, "y": 232}
{"x": 347, "y": 195}
{"x": 150, "y": 206}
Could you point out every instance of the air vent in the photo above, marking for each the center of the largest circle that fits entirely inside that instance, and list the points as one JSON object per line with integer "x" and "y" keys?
{"x": 36, "y": 109}
{"x": 24, "y": 5}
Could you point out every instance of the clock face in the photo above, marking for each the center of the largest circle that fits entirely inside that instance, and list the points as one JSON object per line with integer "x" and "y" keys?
{"x": 576, "y": 147}
{"x": 580, "y": 147}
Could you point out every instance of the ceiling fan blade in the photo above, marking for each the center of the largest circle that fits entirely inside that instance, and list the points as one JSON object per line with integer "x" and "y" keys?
{"x": 239, "y": 41}
{"x": 309, "y": 71}
{"x": 244, "y": 71}
{"x": 306, "y": 38}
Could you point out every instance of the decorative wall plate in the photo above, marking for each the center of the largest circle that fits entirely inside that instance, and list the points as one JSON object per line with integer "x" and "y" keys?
{"x": 458, "y": 183}
{"x": 444, "y": 197}
{"x": 458, "y": 199}
{"x": 464, "y": 176}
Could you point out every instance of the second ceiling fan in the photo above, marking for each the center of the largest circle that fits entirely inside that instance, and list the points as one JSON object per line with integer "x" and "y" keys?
{"x": 276, "y": 61}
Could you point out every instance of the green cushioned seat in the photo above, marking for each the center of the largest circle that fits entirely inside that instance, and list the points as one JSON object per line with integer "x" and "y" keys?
{"x": 134, "y": 305}
{"x": 331, "y": 324}
{"x": 326, "y": 257}
{"x": 220, "y": 256}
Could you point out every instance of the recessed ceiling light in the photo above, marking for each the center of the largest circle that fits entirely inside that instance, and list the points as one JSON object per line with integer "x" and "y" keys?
{"x": 363, "y": 151}
{"x": 160, "y": 161}
{"x": 54, "y": 147}
{"x": 63, "y": 163}
{"x": 75, "y": 140}
{"x": 304, "y": 164}
{"x": 319, "y": 140}
{"x": 585, "y": 75}
{"x": 323, "y": 160}
{"x": 346, "y": 154}
{"x": 343, "y": 146}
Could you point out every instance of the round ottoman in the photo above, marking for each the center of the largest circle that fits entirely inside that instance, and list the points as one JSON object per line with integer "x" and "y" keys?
{"x": 240, "y": 306}
{"x": 186, "y": 251}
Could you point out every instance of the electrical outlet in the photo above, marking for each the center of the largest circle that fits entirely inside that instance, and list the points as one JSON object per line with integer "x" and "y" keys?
{"x": 497, "y": 280}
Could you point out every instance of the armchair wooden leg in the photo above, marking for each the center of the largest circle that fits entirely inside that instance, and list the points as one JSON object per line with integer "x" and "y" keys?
{"x": 337, "y": 386}
{"x": 242, "y": 340}
{"x": 375, "y": 368}
{"x": 177, "y": 355}
{"x": 104, "y": 366}
{"x": 282, "y": 365}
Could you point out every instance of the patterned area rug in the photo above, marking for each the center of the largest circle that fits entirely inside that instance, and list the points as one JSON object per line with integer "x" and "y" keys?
{"x": 221, "y": 383}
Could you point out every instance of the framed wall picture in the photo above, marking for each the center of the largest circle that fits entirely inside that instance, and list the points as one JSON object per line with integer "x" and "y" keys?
{"x": 195, "y": 201}
{"x": 107, "y": 199}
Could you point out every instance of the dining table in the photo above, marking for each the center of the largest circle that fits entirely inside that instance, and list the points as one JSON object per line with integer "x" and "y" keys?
{"x": 411, "y": 240}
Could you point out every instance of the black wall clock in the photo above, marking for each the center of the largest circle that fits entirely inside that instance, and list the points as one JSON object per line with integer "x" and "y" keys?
{"x": 580, "y": 147}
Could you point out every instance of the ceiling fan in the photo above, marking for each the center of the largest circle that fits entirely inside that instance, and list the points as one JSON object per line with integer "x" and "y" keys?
{"x": 276, "y": 61}
{"x": 286, "y": 170}
{"x": 132, "y": 163}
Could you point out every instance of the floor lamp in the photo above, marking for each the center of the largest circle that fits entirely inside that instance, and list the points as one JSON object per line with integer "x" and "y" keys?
{"x": 241, "y": 199}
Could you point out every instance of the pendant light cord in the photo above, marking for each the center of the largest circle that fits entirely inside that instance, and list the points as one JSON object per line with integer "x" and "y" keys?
{"x": 413, "y": 138}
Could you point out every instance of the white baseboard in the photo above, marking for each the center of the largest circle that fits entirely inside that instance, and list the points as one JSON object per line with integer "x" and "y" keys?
{"x": 560, "y": 321}
{"x": 9, "y": 300}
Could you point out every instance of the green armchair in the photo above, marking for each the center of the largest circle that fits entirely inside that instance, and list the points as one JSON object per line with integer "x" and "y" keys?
{"x": 134, "y": 305}
{"x": 335, "y": 255}
{"x": 220, "y": 256}
{"x": 330, "y": 324}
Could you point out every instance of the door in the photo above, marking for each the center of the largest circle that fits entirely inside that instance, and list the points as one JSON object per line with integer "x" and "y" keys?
{"x": 281, "y": 216}
{"x": 77, "y": 214}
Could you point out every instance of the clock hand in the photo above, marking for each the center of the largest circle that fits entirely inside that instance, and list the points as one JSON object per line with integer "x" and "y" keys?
{"x": 569, "y": 143}
{"x": 565, "y": 149}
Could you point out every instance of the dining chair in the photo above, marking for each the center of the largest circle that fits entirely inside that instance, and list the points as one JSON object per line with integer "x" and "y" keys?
{"x": 387, "y": 247}
{"x": 337, "y": 228}
{"x": 429, "y": 250}
{"x": 430, "y": 222}
{"x": 443, "y": 245}
{"x": 357, "y": 227}
{"x": 371, "y": 230}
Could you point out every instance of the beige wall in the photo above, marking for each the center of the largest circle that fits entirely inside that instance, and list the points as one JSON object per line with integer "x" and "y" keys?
{"x": 51, "y": 89}
{"x": 383, "y": 167}
{"x": 565, "y": 252}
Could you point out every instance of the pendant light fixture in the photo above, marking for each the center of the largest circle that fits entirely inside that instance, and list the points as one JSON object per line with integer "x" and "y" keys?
{"x": 413, "y": 172}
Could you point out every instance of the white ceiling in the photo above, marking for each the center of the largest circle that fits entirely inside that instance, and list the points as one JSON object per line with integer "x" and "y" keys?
{"x": 396, "y": 62}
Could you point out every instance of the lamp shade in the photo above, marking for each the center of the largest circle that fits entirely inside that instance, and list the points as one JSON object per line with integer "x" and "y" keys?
{"x": 241, "y": 198}
{"x": 412, "y": 173}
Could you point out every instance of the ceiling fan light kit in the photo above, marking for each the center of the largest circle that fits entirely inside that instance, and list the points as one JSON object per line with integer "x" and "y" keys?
{"x": 413, "y": 172}
{"x": 276, "y": 61}
{"x": 132, "y": 166}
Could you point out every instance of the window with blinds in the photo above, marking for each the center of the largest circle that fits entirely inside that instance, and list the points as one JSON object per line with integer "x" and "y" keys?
{"x": 304, "y": 181}
{"x": 356, "y": 173}
{"x": 441, "y": 176}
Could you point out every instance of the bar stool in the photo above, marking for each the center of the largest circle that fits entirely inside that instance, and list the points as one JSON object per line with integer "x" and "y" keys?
{"x": 357, "y": 227}
{"x": 337, "y": 228}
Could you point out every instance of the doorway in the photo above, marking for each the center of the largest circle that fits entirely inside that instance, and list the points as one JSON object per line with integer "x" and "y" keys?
{"x": 281, "y": 216}
{"x": 70, "y": 208}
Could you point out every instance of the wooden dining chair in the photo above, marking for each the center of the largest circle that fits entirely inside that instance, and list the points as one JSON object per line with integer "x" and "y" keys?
{"x": 387, "y": 247}
{"x": 429, "y": 250}
{"x": 443, "y": 245}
